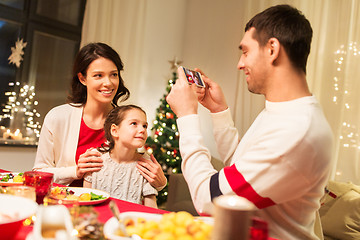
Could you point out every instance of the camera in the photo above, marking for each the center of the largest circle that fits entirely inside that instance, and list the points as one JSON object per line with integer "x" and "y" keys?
{"x": 193, "y": 77}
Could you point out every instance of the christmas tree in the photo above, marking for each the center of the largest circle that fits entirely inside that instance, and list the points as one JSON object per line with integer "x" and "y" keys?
{"x": 164, "y": 142}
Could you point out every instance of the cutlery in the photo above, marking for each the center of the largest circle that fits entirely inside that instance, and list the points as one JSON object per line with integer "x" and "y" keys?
{"x": 115, "y": 210}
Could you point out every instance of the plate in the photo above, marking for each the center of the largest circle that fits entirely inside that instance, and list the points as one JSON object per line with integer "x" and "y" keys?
{"x": 112, "y": 224}
{"x": 10, "y": 182}
{"x": 80, "y": 190}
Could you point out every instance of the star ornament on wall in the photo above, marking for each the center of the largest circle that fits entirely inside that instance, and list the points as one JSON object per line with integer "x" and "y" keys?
{"x": 17, "y": 52}
{"x": 175, "y": 63}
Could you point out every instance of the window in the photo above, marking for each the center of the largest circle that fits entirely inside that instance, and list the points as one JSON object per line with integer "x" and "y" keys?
{"x": 48, "y": 34}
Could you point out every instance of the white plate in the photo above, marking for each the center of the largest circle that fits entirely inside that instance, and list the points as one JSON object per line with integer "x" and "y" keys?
{"x": 10, "y": 182}
{"x": 79, "y": 190}
{"x": 112, "y": 224}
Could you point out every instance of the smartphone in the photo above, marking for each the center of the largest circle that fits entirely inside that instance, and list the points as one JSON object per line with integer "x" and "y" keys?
{"x": 193, "y": 77}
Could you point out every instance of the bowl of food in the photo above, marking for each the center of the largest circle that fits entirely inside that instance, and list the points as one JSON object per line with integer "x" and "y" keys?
{"x": 173, "y": 225}
{"x": 13, "y": 211}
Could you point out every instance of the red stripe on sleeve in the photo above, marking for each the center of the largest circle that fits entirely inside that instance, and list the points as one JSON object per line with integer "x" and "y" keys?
{"x": 242, "y": 188}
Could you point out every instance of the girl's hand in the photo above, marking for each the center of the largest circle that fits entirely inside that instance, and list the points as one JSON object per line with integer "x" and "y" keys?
{"x": 152, "y": 172}
{"x": 89, "y": 162}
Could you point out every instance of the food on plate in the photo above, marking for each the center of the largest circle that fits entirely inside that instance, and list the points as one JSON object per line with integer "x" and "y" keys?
{"x": 179, "y": 225}
{"x": 67, "y": 194}
{"x": 85, "y": 197}
{"x": 13, "y": 177}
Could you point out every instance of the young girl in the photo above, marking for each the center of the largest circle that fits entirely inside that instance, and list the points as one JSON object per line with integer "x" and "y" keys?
{"x": 125, "y": 130}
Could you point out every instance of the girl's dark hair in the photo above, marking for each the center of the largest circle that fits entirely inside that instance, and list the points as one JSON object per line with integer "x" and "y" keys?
{"x": 83, "y": 59}
{"x": 115, "y": 116}
{"x": 289, "y": 26}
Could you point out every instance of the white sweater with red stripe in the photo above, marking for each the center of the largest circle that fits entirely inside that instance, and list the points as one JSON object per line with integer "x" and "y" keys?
{"x": 281, "y": 164}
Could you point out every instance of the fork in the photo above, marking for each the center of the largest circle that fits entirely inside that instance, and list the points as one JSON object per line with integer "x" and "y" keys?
{"x": 115, "y": 210}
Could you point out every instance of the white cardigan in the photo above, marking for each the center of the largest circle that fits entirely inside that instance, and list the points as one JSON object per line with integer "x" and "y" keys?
{"x": 58, "y": 143}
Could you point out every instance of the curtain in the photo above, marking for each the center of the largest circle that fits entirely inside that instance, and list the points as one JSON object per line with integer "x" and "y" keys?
{"x": 206, "y": 34}
{"x": 335, "y": 79}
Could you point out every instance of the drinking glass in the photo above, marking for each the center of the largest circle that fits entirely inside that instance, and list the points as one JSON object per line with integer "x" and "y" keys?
{"x": 41, "y": 181}
{"x": 232, "y": 218}
{"x": 22, "y": 191}
{"x": 72, "y": 205}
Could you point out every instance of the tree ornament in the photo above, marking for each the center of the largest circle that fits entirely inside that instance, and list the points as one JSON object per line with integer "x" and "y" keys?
{"x": 169, "y": 115}
{"x": 175, "y": 64}
{"x": 150, "y": 150}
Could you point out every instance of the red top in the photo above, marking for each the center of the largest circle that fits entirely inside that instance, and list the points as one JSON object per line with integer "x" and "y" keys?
{"x": 88, "y": 138}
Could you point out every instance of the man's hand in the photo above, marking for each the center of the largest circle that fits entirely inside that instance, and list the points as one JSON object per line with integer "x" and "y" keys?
{"x": 182, "y": 98}
{"x": 213, "y": 99}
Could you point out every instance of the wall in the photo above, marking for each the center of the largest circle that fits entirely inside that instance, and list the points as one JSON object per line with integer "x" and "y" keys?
{"x": 17, "y": 159}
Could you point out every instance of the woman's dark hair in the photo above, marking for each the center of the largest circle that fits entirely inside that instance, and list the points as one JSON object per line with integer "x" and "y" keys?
{"x": 83, "y": 59}
{"x": 289, "y": 26}
{"x": 115, "y": 116}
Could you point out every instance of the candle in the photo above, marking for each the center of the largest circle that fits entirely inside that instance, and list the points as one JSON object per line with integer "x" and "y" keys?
{"x": 17, "y": 135}
{"x": 6, "y": 135}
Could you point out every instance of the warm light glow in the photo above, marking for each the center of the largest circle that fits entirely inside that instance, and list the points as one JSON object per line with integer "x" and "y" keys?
{"x": 20, "y": 103}
{"x": 75, "y": 232}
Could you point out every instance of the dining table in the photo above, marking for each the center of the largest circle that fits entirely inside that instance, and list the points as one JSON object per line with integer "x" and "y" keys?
{"x": 102, "y": 209}
{"x": 104, "y": 212}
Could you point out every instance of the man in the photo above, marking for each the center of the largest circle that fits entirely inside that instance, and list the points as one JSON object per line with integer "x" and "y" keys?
{"x": 282, "y": 163}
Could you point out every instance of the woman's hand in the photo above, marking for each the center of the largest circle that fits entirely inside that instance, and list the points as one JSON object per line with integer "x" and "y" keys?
{"x": 89, "y": 162}
{"x": 152, "y": 172}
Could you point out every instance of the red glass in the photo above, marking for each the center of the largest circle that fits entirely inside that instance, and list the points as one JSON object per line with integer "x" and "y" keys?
{"x": 41, "y": 181}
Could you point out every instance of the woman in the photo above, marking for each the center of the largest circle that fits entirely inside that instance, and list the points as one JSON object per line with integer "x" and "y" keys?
{"x": 71, "y": 131}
